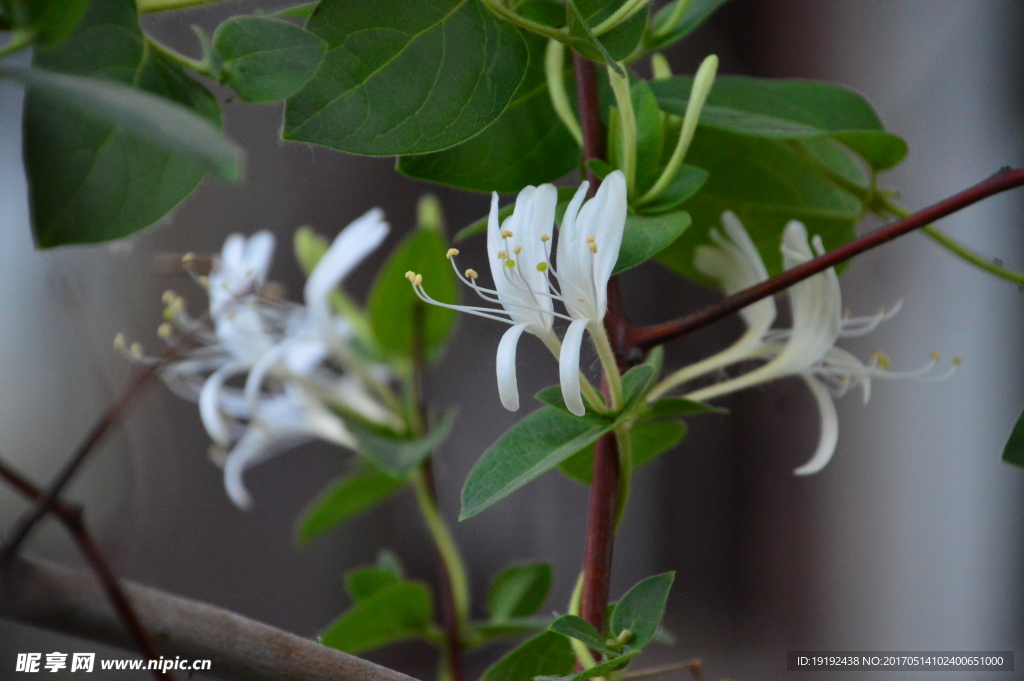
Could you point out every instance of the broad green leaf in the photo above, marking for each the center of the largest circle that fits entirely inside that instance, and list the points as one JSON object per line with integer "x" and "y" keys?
{"x": 687, "y": 182}
{"x": 519, "y": 591}
{"x": 364, "y": 582}
{"x": 695, "y": 14}
{"x": 526, "y": 145}
{"x": 302, "y": 11}
{"x": 647, "y": 235}
{"x": 581, "y": 630}
{"x": 552, "y": 396}
{"x": 582, "y": 16}
{"x": 394, "y": 613}
{"x": 766, "y": 183}
{"x": 91, "y": 179}
{"x": 523, "y": 453}
{"x": 649, "y": 439}
{"x": 479, "y": 226}
{"x": 641, "y": 609}
{"x": 650, "y": 136}
{"x": 611, "y": 665}
{"x": 1014, "y": 450}
{"x": 678, "y": 407}
{"x": 347, "y": 497}
{"x": 265, "y": 60}
{"x": 393, "y": 304}
{"x": 50, "y": 21}
{"x": 406, "y": 76}
{"x": 394, "y": 455}
{"x": 545, "y": 654}
{"x": 881, "y": 150}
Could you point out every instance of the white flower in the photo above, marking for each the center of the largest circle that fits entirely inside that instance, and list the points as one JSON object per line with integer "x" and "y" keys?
{"x": 807, "y": 349}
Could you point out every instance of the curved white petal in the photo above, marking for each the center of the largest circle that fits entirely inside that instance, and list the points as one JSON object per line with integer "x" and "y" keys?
{"x": 508, "y": 387}
{"x": 608, "y": 231}
{"x": 209, "y": 403}
{"x": 569, "y": 367}
{"x": 256, "y": 446}
{"x": 257, "y": 254}
{"x": 829, "y": 428}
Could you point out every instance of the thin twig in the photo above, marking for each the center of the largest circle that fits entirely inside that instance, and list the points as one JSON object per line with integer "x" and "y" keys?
{"x": 694, "y": 666}
{"x": 71, "y": 517}
{"x": 650, "y": 336}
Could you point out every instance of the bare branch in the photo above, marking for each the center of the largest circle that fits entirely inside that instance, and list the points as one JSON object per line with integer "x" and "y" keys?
{"x": 69, "y": 601}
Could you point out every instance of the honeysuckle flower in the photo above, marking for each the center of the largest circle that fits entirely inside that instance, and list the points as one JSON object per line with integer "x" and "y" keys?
{"x": 807, "y": 350}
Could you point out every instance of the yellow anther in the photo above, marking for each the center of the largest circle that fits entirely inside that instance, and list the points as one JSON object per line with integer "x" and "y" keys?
{"x": 165, "y": 331}
{"x": 505, "y": 234}
{"x": 136, "y": 350}
{"x": 418, "y": 280}
{"x": 510, "y": 263}
{"x": 593, "y": 247}
{"x": 542, "y": 267}
{"x": 880, "y": 359}
{"x": 936, "y": 356}
{"x": 119, "y": 342}
{"x": 502, "y": 255}
{"x": 169, "y": 297}
{"x": 452, "y": 252}
{"x": 410, "y": 275}
{"x": 204, "y": 281}
{"x": 957, "y": 361}
{"x": 545, "y": 237}
{"x": 188, "y": 258}
{"x": 590, "y": 239}
{"x": 517, "y": 250}
{"x": 471, "y": 274}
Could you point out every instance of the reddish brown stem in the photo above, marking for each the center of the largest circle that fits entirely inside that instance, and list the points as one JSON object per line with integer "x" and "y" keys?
{"x": 650, "y": 336}
{"x": 71, "y": 517}
{"x": 590, "y": 114}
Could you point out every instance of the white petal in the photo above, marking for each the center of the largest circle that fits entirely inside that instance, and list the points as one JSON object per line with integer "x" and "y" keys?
{"x": 829, "y": 428}
{"x": 611, "y": 224}
{"x": 569, "y": 367}
{"x": 258, "y": 252}
{"x": 209, "y": 403}
{"x": 256, "y": 446}
{"x": 508, "y": 388}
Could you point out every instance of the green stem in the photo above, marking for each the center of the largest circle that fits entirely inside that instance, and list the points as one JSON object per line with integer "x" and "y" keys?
{"x": 625, "y": 469}
{"x": 957, "y": 248}
{"x": 583, "y": 654}
{"x": 200, "y": 67}
{"x": 554, "y": 72}
{"x": 446, "y": 546}
{"x": 624, "y": 12}
{"x": 673, "y": 19}
{"x": 627, "y": 125}
{"x": 608, "y": 363}
{"x": 20, "y": 39}
{"x": 530, "y": 25}
{"x": 148, "y": 6}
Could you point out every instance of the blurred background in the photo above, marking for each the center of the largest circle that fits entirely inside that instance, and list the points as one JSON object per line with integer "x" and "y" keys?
{"x": 911, "y": 538}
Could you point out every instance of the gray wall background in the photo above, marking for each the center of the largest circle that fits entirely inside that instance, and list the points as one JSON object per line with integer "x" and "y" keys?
{"x": 909, "y": 539}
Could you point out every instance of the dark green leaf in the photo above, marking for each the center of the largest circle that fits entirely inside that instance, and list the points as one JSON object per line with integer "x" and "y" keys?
{"x": 678, "y": 407}
{"x": 394, "y": 613}
{"x": 621, "y": 41}
{"x": 1014, "y": 450}
{"x": 614, "y": 45}
{"x": 265, "y": 60}
{"x": 597, "y": 670}
{"x": 394, "y": 455}
{"x": 601, "y": 169}
{"x": 393, "y": 304}
{"x": 696, "y": 12}
{"x": 347, "y": 496}
{"x": 581, "y": 630}
{"x": 650, "y": 136}
{"x": 479, "y": 226}
{"x": 50, "y": 21}
{"x": 582, "y": 39}
{"x": 635, "y": 383}
{"x": 303, "y": 11}
{"x": 519, "y": 591}
{"x": 552, "y": 395}
{"x": 545, "y": 654}
{"x": 363, "y": 582}
{"x": 881, "y": 150}
{"x": 406, "y": 77}
{"x": 687, "y": 182}
{"x": 649, "y": 439}
{"x": 648, "y": 235}
{"x": 526, "y": 145}
{"x": 641, "y": 609}
{"x": 529, "y": 449}
{"x": 92, "y": 180}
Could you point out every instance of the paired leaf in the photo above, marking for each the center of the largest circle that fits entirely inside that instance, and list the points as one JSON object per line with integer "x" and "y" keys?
{"x": 393, "y": 613}
{"x": 405, "y": 77}
{"x": 396, "y": 455}
{"x": 1014, "y": 450}
{"x": 611, "y": 665}
{"x": 687, "y": 182}
{"x": 695, "y": 14}
{"x": 264, "y": 59}
{"x": 526, "y": 145}
{"x": 581, "y": 630}
{"x": 545, "y": 654}
{"x": 394, "y": 307}
{"x": 647, "y": 235}
{"x": 648, "y": 439}
{"x": 105, "y": 158}
{"x": 345, "y": 498}
{"x": 519, "y": 591}
{"x": 641, "y": 609}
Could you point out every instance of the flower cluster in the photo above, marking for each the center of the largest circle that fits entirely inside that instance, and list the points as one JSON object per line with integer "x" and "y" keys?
{"x": 269, "y": 374}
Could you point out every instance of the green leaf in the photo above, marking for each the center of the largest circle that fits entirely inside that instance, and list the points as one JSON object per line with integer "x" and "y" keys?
{"x": 611, "y": 665}
{"x": 406, "y": 77}
{"x": 635, "y": 383}
{"x": 519, "y": 591}
{"x": 614, "y": 45}
{"x": 648, "y": 235}
{"x": 687, "y": 182}
{"x": 523, "y": 453}
{"x": 552, "y": 395}
{"x": 479, "y": 226}
{"x": 582, "y": 39}
{"x": 649, "y": 439}
{"x": 545, "y": 654}
{"x": 50, "y": 21}
{"x": 265, "y": 60}
{"x": 766, "y": 183}
{"x": 363, "y": 582}
{"x": 345, "y": 498}
{"x": 395, "y": 455}
{"x": 642, "y": 608}
{"x": 105, "y": 160}
{"x": 393, "y": 613}
{"x": 601, "y": 169}
{"x": 650, "y": 136}
{"x": 303, "y": 11}
{"x": 526, "y": 145}
{"x": 678, "y": 407}
{"x": 581, "y": 630}
{"x": 881, "y": 150}
{"x": 393, "y": 304}
{"x": 1014, "y": 450}
{"x": 695, "y": 14}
